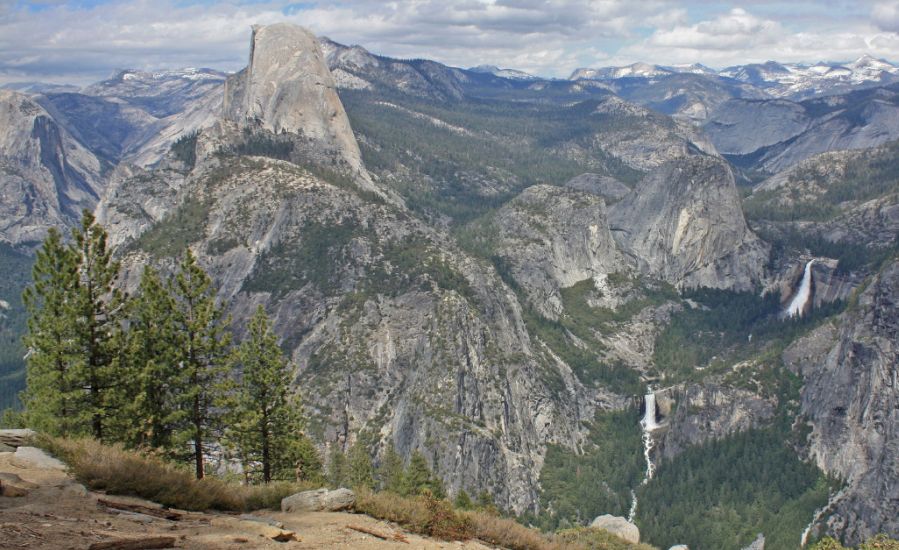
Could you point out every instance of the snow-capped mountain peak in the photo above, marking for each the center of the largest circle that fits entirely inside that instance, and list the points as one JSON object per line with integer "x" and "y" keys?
{"x": 504, "y": 73}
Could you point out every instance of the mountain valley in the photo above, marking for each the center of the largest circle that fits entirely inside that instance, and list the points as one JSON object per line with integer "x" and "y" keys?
{"x": 500, "y": 272}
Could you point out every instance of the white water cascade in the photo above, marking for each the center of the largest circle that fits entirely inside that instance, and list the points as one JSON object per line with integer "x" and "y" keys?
{"x": 797, "y": 304}
{"x": 648, "y": 423}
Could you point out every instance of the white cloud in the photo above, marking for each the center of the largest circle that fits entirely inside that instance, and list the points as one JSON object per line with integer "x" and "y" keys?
{"x": 548, "y": 37}
{"x": 739, "y": 37}
{"x": 886, "y": 16}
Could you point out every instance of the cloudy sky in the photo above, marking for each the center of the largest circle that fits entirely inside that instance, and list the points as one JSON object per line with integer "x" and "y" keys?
{"x": 79, "y": 41}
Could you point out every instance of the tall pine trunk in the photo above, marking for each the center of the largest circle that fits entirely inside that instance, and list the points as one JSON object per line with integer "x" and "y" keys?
{"x": 198, "y": 439}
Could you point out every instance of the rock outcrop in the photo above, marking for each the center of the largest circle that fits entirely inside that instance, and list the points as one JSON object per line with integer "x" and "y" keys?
{"x": 706, "y": 412}
{"x": 16, "y": 437}
{"x": 32, "y": 457}
{"x": 551, "y": 238}
{"x": 606, "y": 187}
{"x": 319, "y": 500}
{"x": 618, "y": 526}
{"x": 850, "y": 399}
{"x": 684, "y": 224}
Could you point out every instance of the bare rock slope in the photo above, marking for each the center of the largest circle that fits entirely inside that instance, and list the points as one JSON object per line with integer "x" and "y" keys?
{"x": 46, "y": 176}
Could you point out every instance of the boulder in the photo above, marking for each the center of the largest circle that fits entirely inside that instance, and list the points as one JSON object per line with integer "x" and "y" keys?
{"x": 7, "y": 490}
{"x": 15, "y": 438}
{"x": 319, "y": 500}
{"x": 679, "y": 547}
{"x": 757, "y": 544}
{"x": 618, "y": 526}
{"x": 4, "y": 448}
{"x": 32, "y": 457}
{"x": 13, "y": 479}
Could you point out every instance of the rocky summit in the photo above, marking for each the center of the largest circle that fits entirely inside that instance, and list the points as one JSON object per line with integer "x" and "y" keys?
{"x": 660, "y": 297}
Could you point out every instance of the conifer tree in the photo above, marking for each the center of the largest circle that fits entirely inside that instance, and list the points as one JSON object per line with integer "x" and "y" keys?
{"x": 97, "y": 312}
{"x": 391, "y": 471}
{"x": 359, "y": 469}
{"x": 201, "y": 358}
{"x": 463, "y": 501}
{"x": 308, "y": 465}
{"x": 337, "y": 467}
{"x": 51, "y": 394}
{"x": 418, "y": 478}
{"x": 267, "y": 425}
{"x": 150, "y": 365}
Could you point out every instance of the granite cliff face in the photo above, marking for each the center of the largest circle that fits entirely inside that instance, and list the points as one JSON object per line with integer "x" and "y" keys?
{"x": 684, "y": 224}
{"x": 851, "y": 401}
{"x": 552, "y": 238}
{"x": 287, "y": 88}
{"x": 46, "y": 176}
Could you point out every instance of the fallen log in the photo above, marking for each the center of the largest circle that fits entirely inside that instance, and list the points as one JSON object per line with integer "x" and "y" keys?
{"x": 138, "y": 509}
{"x": 396, "y": 536}
{"x": 151, "y": 543}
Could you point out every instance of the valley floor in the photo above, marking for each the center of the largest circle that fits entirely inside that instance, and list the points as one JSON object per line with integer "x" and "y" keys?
{"x": 58, "y": 513}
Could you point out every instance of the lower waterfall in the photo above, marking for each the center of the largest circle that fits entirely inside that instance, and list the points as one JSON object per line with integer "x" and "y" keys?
{"x": 648, "y": 423}
{"x": 797, "y": 304}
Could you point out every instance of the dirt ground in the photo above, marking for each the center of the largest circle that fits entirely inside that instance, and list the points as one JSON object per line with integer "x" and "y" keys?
{"x": 58, "y": 514}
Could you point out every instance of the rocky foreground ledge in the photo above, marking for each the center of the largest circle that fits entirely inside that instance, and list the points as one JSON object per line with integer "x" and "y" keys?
{"x": 45, "y": 509}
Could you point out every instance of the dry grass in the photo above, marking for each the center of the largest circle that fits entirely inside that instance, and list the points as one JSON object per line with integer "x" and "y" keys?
{"x": 425, "y": 515}
{"x": 436, "y": 518}
{"x": 597, "y": 539}
{"x": 511, "y": 534}
{"x": 117, "y": 471}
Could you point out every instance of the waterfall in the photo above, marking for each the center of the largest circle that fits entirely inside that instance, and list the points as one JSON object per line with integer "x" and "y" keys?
{"x": 797, "y": 304}
{"x": 648, "y": 423}
{"x": 649, "y": 415}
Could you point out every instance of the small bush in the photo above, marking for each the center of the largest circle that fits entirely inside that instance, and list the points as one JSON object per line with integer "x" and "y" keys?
{"x": 117, "y": 471}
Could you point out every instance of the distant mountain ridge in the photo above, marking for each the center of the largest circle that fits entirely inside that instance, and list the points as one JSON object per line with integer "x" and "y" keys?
{"x": 782, "y": 80}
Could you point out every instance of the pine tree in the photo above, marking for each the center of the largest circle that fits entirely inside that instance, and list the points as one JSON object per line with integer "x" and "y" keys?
{"x": 308, "y": 466}
{"x": 51, "y": 395}
{"x": 418, "y": 475}
{"x": 97, "y": 308}
{"x": 360, "y": 472}
{"x": 201, "y": 359}
{"x": 267, "y": 425}
{"x": 463, "y": 501}
{"x": 418, "y": 478}
{"x": 390, "y": 472}
{"x": 150, "y": 366}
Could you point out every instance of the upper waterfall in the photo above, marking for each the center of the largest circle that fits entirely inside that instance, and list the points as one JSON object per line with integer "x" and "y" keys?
{"x": 797, "y": 304}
